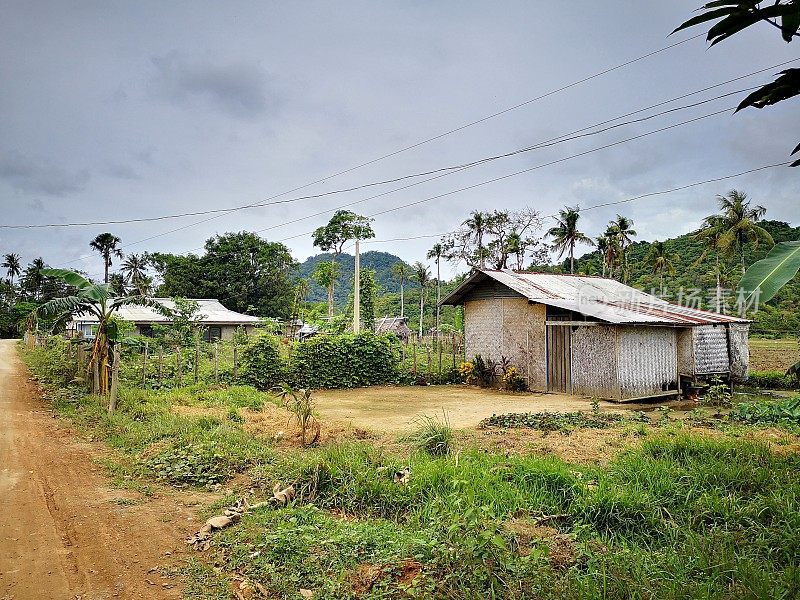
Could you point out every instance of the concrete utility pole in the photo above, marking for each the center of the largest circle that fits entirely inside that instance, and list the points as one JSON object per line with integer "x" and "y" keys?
{"x": 357, "y": 292}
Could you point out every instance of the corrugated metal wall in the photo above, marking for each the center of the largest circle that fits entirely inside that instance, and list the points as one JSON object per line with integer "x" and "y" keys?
{"x": 594, "y": 362}
{"x": 647, "y": 360}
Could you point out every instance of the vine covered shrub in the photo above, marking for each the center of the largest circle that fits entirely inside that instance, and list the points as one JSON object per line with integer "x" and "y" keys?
{"x": 343, "y": 361}
{"x": 262, "y": 366}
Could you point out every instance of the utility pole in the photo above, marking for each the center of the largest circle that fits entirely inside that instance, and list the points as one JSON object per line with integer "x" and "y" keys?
{"x": 357, "y": 291}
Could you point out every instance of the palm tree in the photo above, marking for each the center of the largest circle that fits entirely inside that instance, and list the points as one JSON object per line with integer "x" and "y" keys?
{"x": 32, "y": 278}
{"x": 423, "y": 277}
{"x": 400, "y": 271}
{"x": 602, "y": 250}
{"x": 134, "y": 270}
{"x": 740, "y": 224}
{"x": 12, "y": 265}
{"x": 711, "y": 234}
{"x": 476, "y": 225}
{"x": 565, "y": 235}
{"x": 107, "y": 245}
{"x": 95, "y": 299}
{"x": 623, "y": 230}
{"x": 661, "y": 261}
{"x": 436, "y": 252}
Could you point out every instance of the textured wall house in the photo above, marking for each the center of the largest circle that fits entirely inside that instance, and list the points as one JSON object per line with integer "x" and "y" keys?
{"x": 595, "y": 336}
{"x": 218, "y": 321}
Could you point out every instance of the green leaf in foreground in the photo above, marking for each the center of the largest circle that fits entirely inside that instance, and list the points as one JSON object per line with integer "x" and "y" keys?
{"x": 771, "y": 273}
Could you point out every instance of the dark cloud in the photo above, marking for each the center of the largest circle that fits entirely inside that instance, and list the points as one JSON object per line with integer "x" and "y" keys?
{"x": 39, "y": 176}
{"x": 239, "y": 89}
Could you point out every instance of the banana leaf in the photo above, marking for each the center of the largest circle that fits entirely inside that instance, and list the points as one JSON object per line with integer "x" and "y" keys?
{"x": 770, "y": 274}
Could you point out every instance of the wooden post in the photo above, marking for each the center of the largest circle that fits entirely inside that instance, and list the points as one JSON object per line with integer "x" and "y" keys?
{"x": 235, "y": 360}
{"x": 357, "y": 291}
{"x": 112, "y": 403}
{"x": 196, "y": 358}
{"x": 439, "y": 344}
{"x": 428, "y": 352}
{"x": 454, "y": 352}
{"x": 160, "y": 364}
{"x": 414, "y": 349}
{"x": 178, "y": 365}
{"x": 144, "y": 365}
{"x": 216, "y": 362}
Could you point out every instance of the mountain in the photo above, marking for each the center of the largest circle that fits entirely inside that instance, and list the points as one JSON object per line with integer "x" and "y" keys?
{"x": 380, "y": 262}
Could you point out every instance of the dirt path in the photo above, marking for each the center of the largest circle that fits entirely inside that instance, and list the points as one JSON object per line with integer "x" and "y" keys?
{"x": 64, "y": 532}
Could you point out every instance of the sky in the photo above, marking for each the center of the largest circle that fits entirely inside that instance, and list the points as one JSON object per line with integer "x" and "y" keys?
{"x": 119, "y": 110}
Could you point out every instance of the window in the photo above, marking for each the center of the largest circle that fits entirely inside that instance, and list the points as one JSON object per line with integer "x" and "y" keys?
{"x": 214, "y": 332}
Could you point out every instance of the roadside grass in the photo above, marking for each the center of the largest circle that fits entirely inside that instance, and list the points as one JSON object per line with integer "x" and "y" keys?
{"x": 679, "y": 516}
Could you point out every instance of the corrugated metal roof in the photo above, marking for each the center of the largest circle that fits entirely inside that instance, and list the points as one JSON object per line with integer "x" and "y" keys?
{"x": 211, "y": 311}
{"x": 598, "y": 297}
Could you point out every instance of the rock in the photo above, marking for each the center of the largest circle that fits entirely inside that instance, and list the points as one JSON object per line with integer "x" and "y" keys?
{"x": 219, "y": 522}
{"x": 306, "y": 593}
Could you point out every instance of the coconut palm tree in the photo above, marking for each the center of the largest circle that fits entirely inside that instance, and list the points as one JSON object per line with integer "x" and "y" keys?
{"x": 95, "y": 299}
{"x": 602, "y": 250}
{"x": 711, "y": 235}
{"x": 134, "y": 270}
{"x": 661, "y": 261}
{"x": 13, "y": 266}
{"x": 436, "y": 253}
{"x": 622, "y": 228}
{"x": 740, "y": 224}
{"x": 565, "y": 235}
{"x": 423, "y": 277}
{"x": 107, "y": 245}
{"x": 477, "y": 224}
{"x": 400, "y": 270}
{"x": 32, "y": 277}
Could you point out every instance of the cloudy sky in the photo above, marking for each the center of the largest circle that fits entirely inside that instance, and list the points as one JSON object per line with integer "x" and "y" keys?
{"x": 120, "y": 110}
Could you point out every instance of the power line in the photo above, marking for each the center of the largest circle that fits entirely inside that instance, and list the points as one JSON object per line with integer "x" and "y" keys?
{"x": 549, "y": 142}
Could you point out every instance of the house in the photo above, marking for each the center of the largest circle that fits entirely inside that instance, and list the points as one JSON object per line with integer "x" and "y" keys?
{"x": 218, "y": 321}
{"x": 594, "y": 336}
{"x": 396, "y": 325}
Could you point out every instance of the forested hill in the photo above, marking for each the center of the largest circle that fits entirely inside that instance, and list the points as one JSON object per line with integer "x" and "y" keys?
{"x": 380, "y": 262}
{"x": 782, "y": 313}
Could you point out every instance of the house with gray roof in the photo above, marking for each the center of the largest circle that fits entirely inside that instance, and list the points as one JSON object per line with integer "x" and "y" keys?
{"x": 594, "y": 336}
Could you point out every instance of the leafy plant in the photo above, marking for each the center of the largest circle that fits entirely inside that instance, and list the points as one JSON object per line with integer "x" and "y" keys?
{"x": 198, "y": 464}
{"x": 299, "y": 402}
{"x": 763, "y": 279}
{"x": 761, "y": 413}
{"x": 717, "y": 394}
{"x": 513, "y": 381}
{"x": 262, "y": 366}
{"x": 435, "y": 436}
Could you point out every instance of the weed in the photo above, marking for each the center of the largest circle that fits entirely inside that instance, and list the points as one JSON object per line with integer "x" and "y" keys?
{"x": 434, "y": 436}
{"x": 300, "y": 403}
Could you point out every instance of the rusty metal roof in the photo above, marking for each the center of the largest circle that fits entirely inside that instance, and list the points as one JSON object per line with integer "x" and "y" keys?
{"x": 604, "y": 299}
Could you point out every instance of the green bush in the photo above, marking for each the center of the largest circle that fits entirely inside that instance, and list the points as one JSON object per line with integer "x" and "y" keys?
{"x": 262, "y": 366}
{"x": 345, "y": 361}
{"x": 764, "y": 413}
{"x": 773, "y": 380}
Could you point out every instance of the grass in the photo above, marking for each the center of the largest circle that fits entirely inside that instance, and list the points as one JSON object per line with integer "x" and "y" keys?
{"x": 679, "y": 516}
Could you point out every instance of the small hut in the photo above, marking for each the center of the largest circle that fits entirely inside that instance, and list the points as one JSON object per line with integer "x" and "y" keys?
{"x": 594, "y": 336}
{"x": 396, "y": 325}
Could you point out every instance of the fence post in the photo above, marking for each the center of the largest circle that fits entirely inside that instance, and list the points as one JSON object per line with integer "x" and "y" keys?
{"x": 112, "y": 403}
{"x": 144, "y": 365}
{"x": 160, "y": 363}
{"x": 439, "y": 344}
{"x": 430, "y": 364}
{"x": 235, "y": 360}
{"x": 196, "y": 358}
{"x": 178, "y": 365}
{"x": 454, "y": 352}
{"x": 414, "y": 349}
{"x": 216, "y": 362}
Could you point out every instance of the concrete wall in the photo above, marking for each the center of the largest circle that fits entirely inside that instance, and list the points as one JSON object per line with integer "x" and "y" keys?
{"x": 647, "y": 360}
{"x": 594, "y": 361}
{"x": 510, "y": 327}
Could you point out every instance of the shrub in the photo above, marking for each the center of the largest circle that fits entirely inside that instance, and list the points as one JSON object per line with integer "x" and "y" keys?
{"x": 194, "y": 464}
{"x": 343, "y": 361}
{"x": 262, "y": 366}
{"x": 434, "y": 436}
{"x": 764, "y": 413}
{"x": 773, "y": 380}
{"x": 513, "y": 381}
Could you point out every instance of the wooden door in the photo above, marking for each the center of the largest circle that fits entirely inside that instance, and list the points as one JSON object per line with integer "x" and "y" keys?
{"x": 559, "y": 357}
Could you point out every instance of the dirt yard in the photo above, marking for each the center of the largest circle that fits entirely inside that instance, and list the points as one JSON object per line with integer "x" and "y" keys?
{"x": 394, "y": 409}
{"x": 774, "y": 355}
{"x": 65, "y": 532}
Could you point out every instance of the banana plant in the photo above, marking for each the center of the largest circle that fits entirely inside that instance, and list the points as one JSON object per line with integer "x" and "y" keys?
{"x": 767, "y": 276}
{"x": 95, "y": 299}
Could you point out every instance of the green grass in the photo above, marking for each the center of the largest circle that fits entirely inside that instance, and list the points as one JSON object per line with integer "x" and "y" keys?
{"x": 680, "y": 516}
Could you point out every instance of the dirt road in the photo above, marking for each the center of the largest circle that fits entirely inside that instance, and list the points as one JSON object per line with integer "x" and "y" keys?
{"x": 64, "y": 532}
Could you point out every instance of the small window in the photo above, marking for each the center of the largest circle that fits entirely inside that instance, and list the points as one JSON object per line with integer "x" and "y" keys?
{"x": 212, "y": 333}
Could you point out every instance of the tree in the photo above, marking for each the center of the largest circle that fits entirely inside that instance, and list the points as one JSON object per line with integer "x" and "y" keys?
{"x": 734, "y": 17}
{"x": 107, "y": 245}
{"x": 621, "y": 229}
{"x": 493, "y": 237}
{"x": 343, "y": 227}
{"x": 436, "y": 252}
{"x": 33, "y": 278}
{"x": 95, "y": 299}
{"x": 603, "y": 244}
{"x": 565, "y": 235}
{"x": 739, "y": 224}
{"x": 711, "y": 234}
{"x": 325, "y": 275}
{"x": 400, "y": 270}
{"x": 243, "y": 271}
{"x": 661, "y": 261}
{"x": 367, "y": 292}
{"x": 13, "y": 266}
{"x": 423, "y": 277}
{"x": 134, "y": 270}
